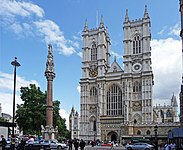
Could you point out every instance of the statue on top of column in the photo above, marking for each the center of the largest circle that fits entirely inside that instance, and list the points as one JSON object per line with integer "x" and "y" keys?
{"x": 49, "y": 73}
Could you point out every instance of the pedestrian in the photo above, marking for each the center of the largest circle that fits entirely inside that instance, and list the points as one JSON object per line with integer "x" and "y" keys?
{"x": 76, "y": 144}
{"x": 112, "y": 145}
{"x": 70, "y": 144}
{"x": 13, "y": 142}
{"x": 82, "y": 144}
{"x": 167, "y": 146}
{"x": 3, "y": 142}
{"x": 172, "y": 145}
{"x": 22, "y": 144}
{"x": 92, "y": 143}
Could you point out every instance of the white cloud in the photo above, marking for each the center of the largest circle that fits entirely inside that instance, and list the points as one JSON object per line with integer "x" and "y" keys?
{"x": 162, "y": 30}
{"x": 6, "y": 90}
{"x": 65, "y": 115}
{"x": 76, "y": 37}
{"x": 175, "y": 30}
{"x": 116, "y": 54}
{"x": 26, "y": 18}
{"x": 12, "y": 8}
{"x": 7, "y": 80}
{"x": 7, "y": 102}
{"x": 79, "y": 89}
{"x": 79, "y": 54}
{"x": 166, "y": 65}
{"x": 171, "y": 31}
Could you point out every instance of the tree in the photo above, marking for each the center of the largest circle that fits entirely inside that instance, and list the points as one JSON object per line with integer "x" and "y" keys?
{"x": 59, "y": 121}
{"x": 3, "y": 119}
{"x": 31, "y": 114}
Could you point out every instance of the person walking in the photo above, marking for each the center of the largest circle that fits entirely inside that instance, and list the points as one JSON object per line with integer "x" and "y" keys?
{"x": 76, "y": 144}
{"x": 92, "y": 143}
{"x": 3, "y": 142}
{"x": 112, "y": 145}
{"x": 70, "y": 144}
{"x": 82, "y": 144}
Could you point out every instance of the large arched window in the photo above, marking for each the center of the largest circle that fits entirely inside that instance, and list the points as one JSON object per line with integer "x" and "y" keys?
{"x": 137, "y": 87}
{"x": 114, "y": 101}
{"x": 136, "y": 45}
{"x": 94, "y": 52}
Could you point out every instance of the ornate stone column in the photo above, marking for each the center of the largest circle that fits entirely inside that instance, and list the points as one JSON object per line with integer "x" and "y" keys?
{"x": 49, "y": 132}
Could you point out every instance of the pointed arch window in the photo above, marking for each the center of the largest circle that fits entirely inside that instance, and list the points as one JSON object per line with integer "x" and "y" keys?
{"x": 114, "y": 101}
{"x": 148, "y": 132}
{"x": 137, "y": 87}
{"x": 136, "y": 45}
{"x": 168, "y": 113}
{"x": 138, "y": 132}
{"x": 94, "y": 52}
{"x": 93, "y": 91}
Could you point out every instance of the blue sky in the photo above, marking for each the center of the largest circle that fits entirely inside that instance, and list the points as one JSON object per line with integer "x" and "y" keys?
{"x": 28, "y": 26}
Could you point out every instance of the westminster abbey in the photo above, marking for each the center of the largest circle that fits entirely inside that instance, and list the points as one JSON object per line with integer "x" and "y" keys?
{"x": 115, "y": 102}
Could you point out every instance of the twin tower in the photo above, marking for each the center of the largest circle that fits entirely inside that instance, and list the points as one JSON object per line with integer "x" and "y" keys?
{"x": 112, "y": 96}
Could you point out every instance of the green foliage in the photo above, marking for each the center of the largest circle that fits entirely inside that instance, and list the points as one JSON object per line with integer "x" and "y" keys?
{"x": 32, "y": 113}
{"x": 59, "y": 121}
{"x": 3, "y": 119}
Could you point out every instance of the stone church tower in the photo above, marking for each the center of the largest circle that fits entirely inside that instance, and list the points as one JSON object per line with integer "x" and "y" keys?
{"x": 116, "y": 103}
{"x": 74, "y": 124}
{"x": 109, "y": 94}
{"x": 138, "y": 76}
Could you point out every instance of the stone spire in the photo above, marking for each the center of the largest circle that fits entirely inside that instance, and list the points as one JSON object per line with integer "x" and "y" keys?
{"x": 101, "y": 22}
{"x": 174, "y": 101}
{"x": 114, "y": 58}
{"x": 126, "y": 16}
{"x": 146, "y": 15}
{"x": 86, "y": 25}
{"x": 49, "y": 73}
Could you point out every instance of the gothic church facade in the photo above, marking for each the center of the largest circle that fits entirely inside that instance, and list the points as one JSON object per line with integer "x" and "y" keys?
{"x": 115, "y": 102}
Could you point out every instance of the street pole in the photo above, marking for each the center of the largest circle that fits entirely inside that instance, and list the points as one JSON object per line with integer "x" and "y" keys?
{"x": 15, "y": 63}
{"x": 156, "y": 138}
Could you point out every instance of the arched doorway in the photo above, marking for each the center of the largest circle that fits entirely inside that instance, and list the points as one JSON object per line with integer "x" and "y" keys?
{"x": 113, "y": 137}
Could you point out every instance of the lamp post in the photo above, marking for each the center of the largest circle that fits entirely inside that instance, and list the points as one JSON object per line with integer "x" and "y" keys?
{"x": 15, "y": 63}
{"x": 156, "y": 136}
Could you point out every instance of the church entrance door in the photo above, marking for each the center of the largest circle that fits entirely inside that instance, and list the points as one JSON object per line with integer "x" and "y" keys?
{"x": 113, "y": 137}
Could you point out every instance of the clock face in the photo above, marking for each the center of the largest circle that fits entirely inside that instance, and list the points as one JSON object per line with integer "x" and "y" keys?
{"x": 93, "y": 73}
{"x": 136, "y": 67}
{"x": 93, "y": 70}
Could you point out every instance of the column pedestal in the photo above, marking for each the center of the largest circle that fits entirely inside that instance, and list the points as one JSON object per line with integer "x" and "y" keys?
{"x": 49, "y": 133}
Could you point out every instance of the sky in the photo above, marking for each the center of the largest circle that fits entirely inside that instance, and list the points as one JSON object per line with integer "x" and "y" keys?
{"x": 28, "y": 26}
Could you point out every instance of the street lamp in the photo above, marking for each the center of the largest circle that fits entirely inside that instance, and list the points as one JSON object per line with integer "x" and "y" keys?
{"x": 15, "y": 63}
{"x": 156, "y": 136}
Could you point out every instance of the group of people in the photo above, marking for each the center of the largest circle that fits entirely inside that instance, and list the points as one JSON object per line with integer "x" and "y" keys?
{"x": 76, "y": 144}
{"x": 170, "y": 146}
